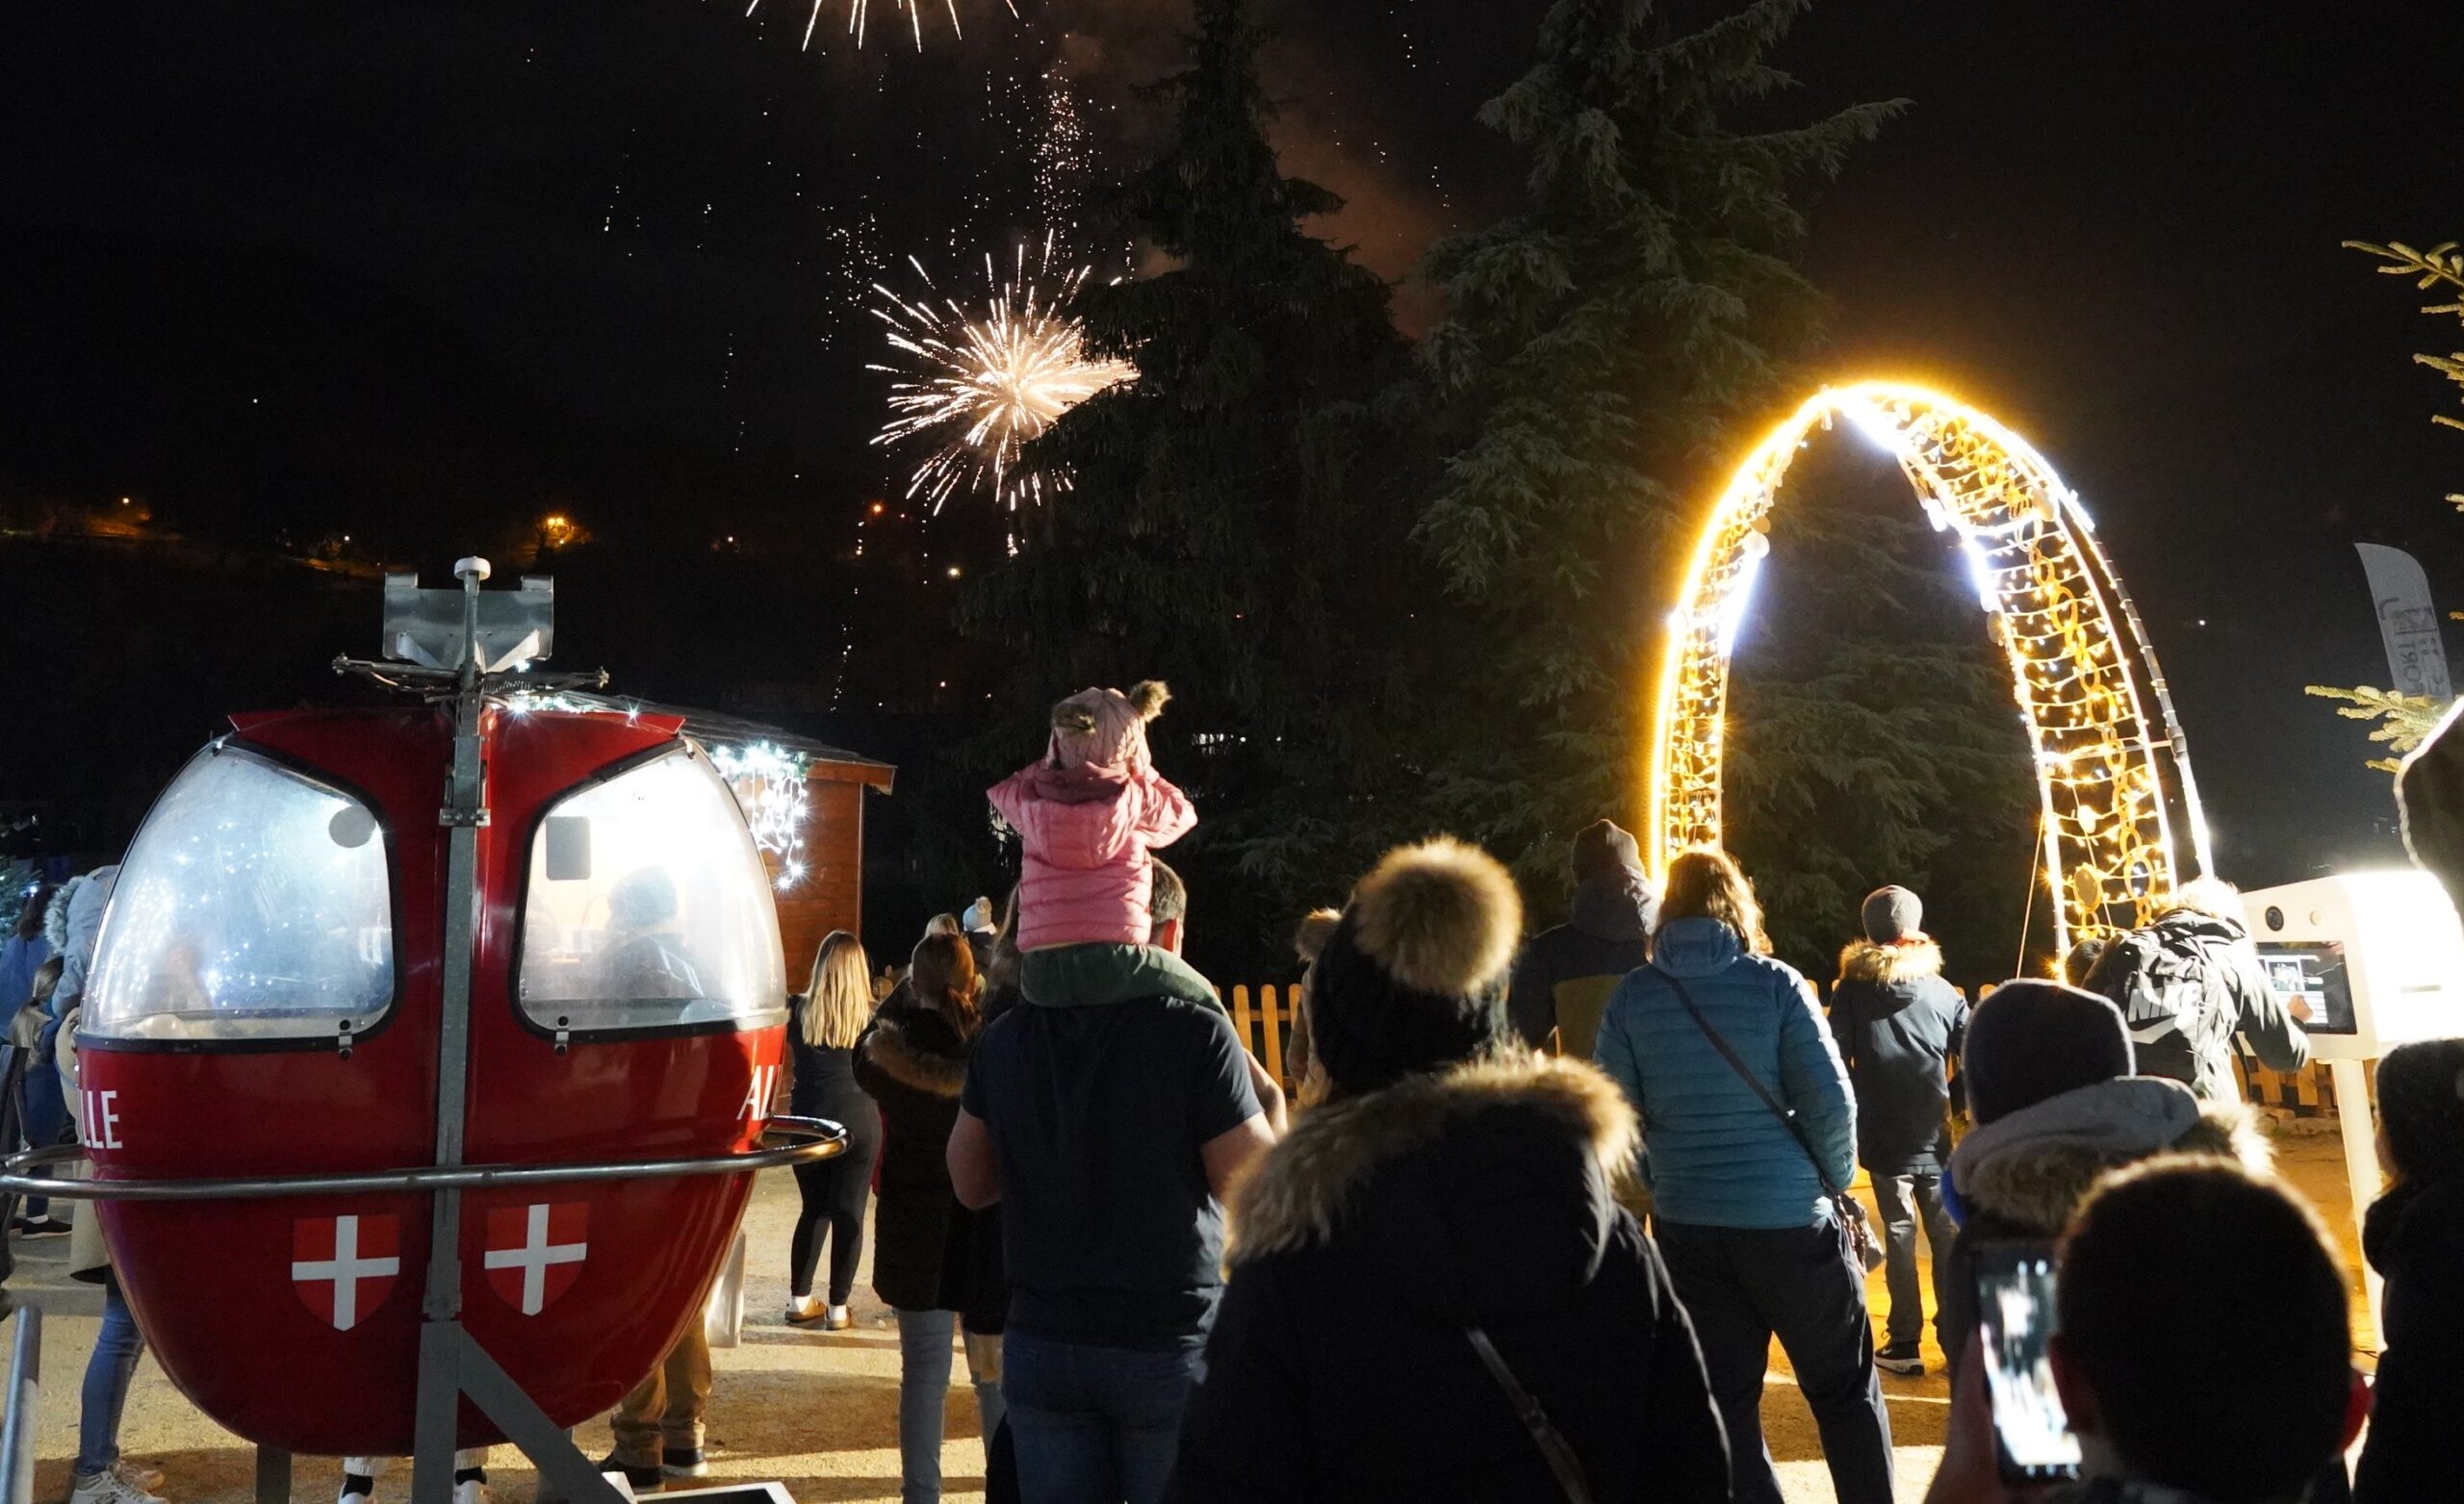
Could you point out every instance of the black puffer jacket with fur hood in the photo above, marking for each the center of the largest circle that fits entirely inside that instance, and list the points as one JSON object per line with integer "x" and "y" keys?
{"x": 1899, "y": 1027}
{"x": 929, "y": 1252}
{"x": 2024, "y": 1174}
{"x": 1383, "y": 1227}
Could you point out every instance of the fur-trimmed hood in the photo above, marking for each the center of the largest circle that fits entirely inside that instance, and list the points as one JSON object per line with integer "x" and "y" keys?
{"x": 916, "y": 1047}
{"x": 55, "y": 914}
{"x": 74, "y": 925}
{"x": 1863, "y": 960}
{"x": 2034, "y": 1166}
{"x": 1473, "y": 1192}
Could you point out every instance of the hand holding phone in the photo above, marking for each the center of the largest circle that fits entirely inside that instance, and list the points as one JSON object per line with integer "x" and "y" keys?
{"x": 2015, "y": 1309}
{"x": 1971, "y": 1470}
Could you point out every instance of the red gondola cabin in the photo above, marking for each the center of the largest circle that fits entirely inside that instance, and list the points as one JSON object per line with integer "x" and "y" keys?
{"x": 266, "y": 1002}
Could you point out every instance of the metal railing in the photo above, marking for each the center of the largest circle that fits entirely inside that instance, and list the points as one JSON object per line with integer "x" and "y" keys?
{"x": 25, "y": 1406}
{"x": 785, "y": 1141}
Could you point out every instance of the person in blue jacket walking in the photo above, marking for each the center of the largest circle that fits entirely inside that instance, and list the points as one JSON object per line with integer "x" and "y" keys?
{"x": 1750, "y": 1236}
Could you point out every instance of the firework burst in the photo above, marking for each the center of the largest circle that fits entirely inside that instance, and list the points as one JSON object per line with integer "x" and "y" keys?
{"x": 978, "y": 383}
{"x": 860, "y": 17}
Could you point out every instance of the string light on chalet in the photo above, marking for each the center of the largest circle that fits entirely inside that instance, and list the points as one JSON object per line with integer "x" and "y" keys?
{"x": 2121, "y": 817}
{"x": 532, "y": 702}
{"x": 769, "y": 783}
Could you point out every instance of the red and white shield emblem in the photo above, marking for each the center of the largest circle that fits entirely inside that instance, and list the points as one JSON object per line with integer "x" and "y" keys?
{"x": 535, "y": 1253}
{"x": 342, "y": 1268}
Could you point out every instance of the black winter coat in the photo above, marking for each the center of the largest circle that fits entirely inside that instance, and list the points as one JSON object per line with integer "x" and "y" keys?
{"x": 1563, "y": 978}
{"x": 929, "y": 1253}
{"x": 2415, "y": 1238}
{"x": 1899, "y": 1027}
{"x": 1368, "y": 1242}
{"x": 821, "y": 1083}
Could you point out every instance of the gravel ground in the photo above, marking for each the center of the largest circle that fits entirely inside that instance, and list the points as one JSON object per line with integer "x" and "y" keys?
{"x": 817, "y": 1412}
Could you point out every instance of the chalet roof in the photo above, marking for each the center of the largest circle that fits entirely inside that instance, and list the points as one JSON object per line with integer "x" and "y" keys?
{"x": 833, "y": 763}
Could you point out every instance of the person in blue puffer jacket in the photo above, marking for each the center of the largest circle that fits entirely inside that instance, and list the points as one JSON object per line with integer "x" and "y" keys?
{"x": 1751, "y": 1239}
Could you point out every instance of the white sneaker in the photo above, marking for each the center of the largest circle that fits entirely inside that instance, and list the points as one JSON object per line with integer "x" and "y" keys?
{"x": 109, "y": 1487}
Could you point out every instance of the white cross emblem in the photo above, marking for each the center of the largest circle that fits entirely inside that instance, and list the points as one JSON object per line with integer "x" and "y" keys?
{"x": 346, "y": 1270}
{"x": 533, "y": 1259}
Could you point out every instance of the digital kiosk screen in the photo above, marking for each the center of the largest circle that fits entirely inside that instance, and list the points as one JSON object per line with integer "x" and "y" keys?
{"x": 2311, "y": 978}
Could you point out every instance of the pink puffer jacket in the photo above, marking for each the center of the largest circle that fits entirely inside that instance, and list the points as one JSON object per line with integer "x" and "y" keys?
{"x": 1087, "y": 832}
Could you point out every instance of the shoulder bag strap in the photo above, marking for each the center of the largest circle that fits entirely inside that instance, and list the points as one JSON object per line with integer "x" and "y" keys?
{"x": 1555, "y": 1448}
{"x": 1787, "y": 1119}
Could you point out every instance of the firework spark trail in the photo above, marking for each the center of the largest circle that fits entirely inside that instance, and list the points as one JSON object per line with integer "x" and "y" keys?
{"x": 979, "y": 383}
{"x": 1063, "y": 160}
{"x": 858, "y": 13}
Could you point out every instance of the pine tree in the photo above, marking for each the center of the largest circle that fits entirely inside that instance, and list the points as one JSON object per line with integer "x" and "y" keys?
{"x": 2405, "y": 720}
{"x": 1872, "y": 733}
{"x": 1600, "y": 346}
{"x": 1235, "y": 520}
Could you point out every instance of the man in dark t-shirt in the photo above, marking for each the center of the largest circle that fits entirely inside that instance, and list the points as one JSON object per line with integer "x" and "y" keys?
{"x": 1106, "y": 1134}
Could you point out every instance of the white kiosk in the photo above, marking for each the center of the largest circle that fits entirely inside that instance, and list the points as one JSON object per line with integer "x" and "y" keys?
{"x": 2370, "y": 960}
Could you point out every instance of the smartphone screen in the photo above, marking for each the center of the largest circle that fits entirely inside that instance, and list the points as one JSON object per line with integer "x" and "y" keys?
{"x": 2015, "y": 1309}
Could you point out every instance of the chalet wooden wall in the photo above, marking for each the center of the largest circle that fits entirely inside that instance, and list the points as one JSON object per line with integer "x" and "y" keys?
{"x": 831, "y": 894}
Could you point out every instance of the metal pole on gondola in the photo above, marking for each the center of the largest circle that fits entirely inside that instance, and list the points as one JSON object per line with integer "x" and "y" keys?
{"x": 464, "y": 812}
{"x": 452, "y": 1365}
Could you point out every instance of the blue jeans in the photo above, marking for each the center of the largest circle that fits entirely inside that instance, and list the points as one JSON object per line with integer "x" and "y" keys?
{"x": 107, "y": 1378}
{"x": 924, "y": 1396}
{"x": 1095, "y": 1425}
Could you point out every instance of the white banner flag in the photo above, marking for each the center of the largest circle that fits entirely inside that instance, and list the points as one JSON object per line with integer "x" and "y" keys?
{"x": 2407, "y": 622}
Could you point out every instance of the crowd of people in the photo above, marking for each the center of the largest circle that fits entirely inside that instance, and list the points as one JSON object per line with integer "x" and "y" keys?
{"x": 45, "y": 964}
{"x": 1430, "y": 1276}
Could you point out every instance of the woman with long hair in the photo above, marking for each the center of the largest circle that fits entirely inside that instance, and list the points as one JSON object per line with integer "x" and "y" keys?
{"x": 935, "y": 1264}
{"x": 1748, "y": 1142}
{"x": 822, "y": 1029}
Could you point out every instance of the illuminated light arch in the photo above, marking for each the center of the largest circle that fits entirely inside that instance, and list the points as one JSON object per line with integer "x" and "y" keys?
{"x": 2121, "y": 818}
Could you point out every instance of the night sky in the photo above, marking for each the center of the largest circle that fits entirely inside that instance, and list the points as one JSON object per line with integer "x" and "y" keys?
{"x": 407, "y": 272}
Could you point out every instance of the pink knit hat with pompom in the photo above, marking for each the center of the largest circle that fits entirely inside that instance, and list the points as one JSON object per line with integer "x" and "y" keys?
{"x": 1106, "y": 729}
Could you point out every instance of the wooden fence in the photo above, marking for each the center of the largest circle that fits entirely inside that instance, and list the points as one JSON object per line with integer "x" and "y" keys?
{"x": 2309, "y": 1092}
{"x": 1265, "y": 1025}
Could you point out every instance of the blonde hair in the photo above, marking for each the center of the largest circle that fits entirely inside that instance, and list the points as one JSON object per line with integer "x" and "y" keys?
{"x": 839, "y": 1000}
{"x": 943, "y": 924}
{"x": 1705, "y": 882}
{"x": 2213, "y": 897}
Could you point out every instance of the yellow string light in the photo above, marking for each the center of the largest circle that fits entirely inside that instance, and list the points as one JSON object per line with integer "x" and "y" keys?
{"x": 2111, "y": 772}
